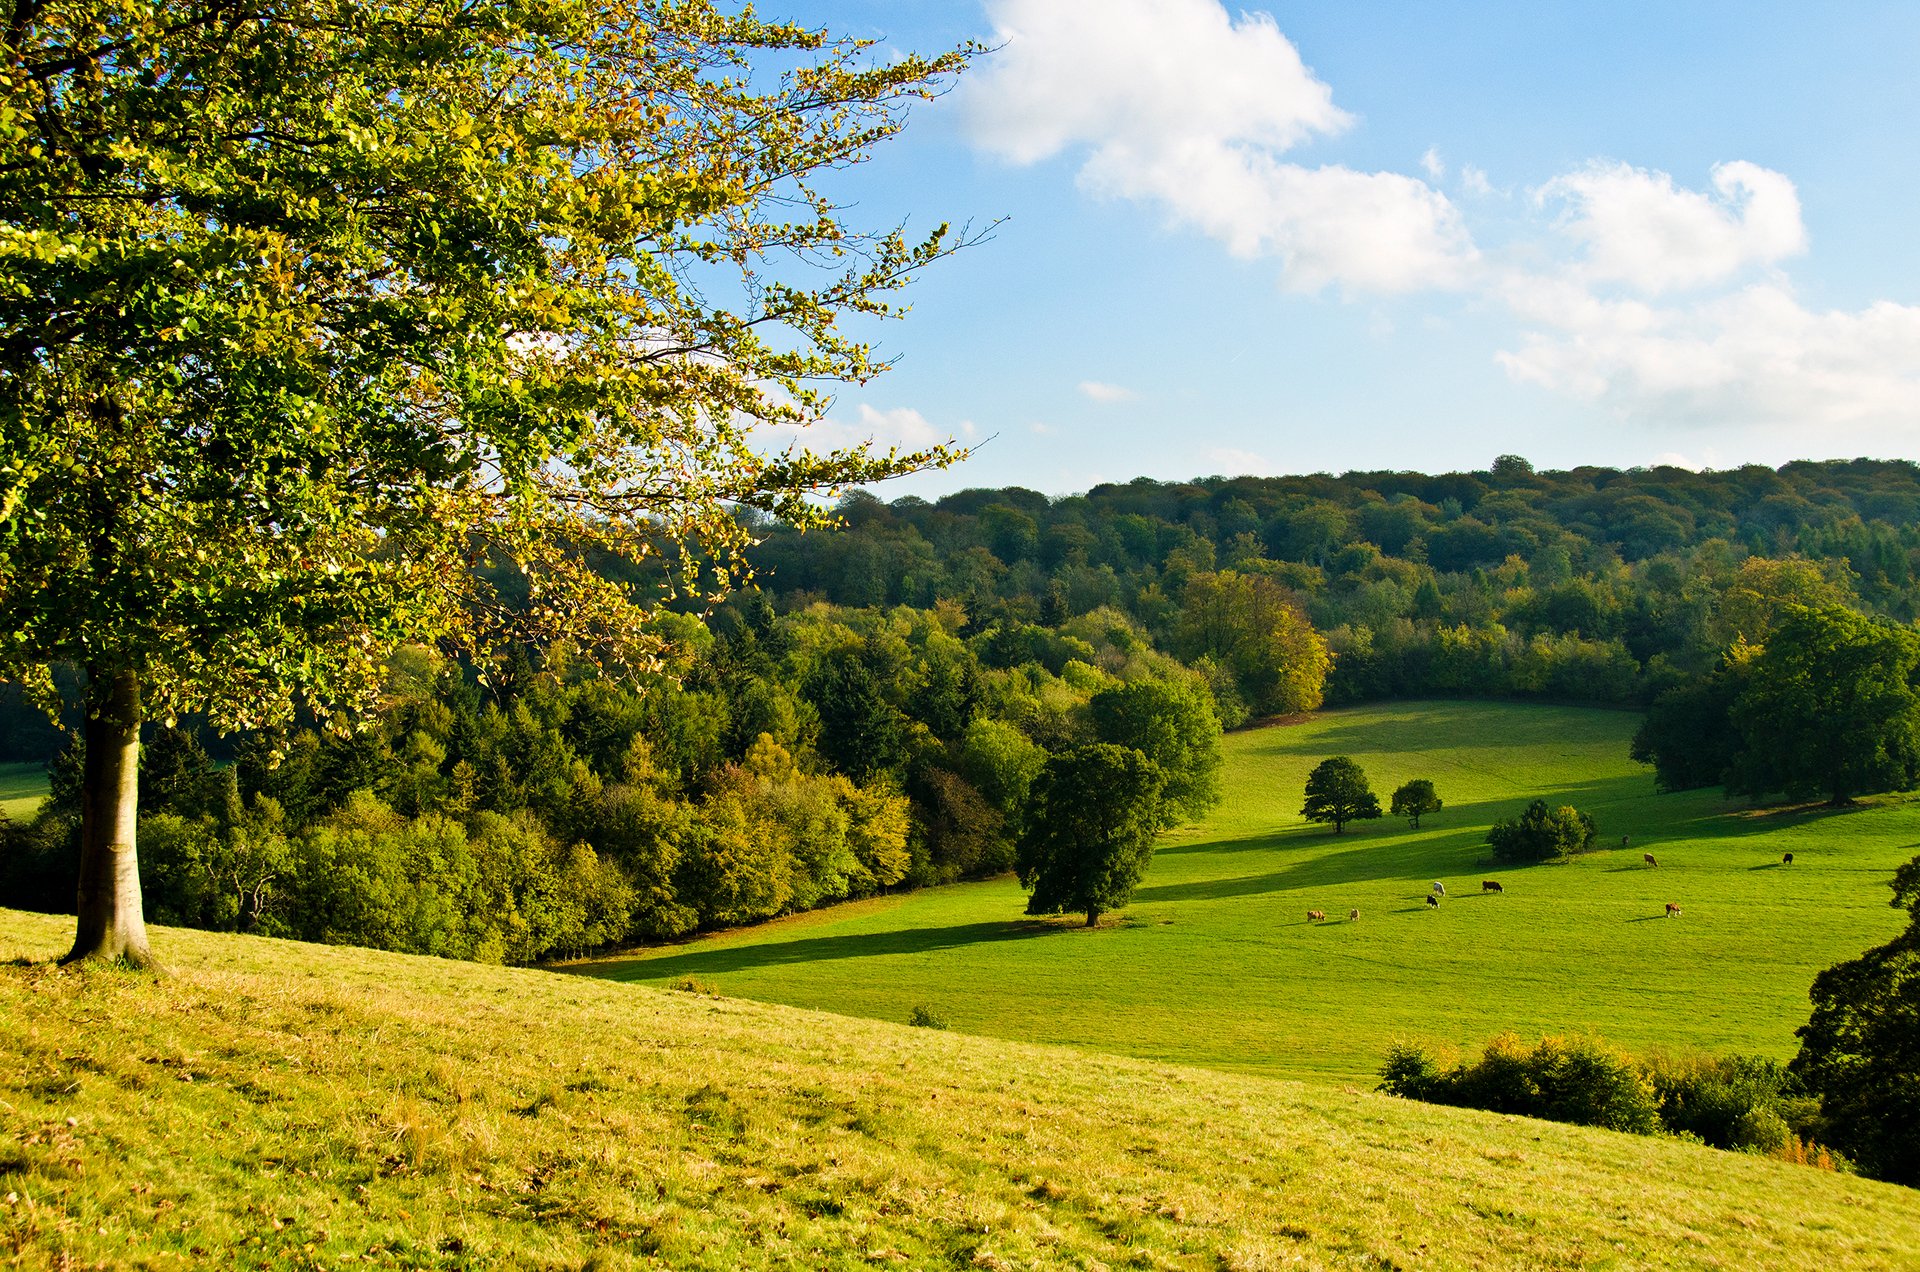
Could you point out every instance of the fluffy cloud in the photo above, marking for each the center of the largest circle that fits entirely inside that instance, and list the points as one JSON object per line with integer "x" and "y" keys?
{"x": 1636, "y": 227}
{"x": 1178, "y": 103}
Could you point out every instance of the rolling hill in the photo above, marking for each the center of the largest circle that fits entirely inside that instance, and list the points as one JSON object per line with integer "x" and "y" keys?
{"x": 269, "y": 1104}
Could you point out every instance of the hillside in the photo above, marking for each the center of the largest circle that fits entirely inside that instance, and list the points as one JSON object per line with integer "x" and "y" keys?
{"x": 1216, "y": 963}
{"x": 280, "y": 1105}
{"x": 22, "y": 787}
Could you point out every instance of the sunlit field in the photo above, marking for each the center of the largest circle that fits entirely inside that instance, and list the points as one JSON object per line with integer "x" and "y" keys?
{"x": 1215, "y": 962}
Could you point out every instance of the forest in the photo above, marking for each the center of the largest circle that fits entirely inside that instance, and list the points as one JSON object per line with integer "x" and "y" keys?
{"x": 874, "y": 716}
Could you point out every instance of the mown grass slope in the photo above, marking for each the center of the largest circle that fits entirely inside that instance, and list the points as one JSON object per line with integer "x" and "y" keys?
{"x": 22, "y": 787}
{"x": 1216, "y": 964}
{"x": 270, "y": 1104}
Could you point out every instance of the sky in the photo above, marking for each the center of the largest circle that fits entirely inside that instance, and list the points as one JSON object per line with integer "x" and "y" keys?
{"x": 1325, "y": 236}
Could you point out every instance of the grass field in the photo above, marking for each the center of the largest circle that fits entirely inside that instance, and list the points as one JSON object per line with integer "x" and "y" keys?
{"x": 275, "y": 1105}
{"x": 1215, "y": 963}
{"x": 22, "y": 787}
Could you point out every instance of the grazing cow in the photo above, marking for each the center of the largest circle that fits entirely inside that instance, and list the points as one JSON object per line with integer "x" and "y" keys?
{"x": 1648, "y": 858}
{"x": 1439, "y": 889}
{"x": 1624, "y": 840}
{"x": 1491, "y": 885}
{"x": 1786, "y": 859}
{"x": 1316, "y": 916}
{"x": 1673, "y": 911}
{"x": 1353, "y": 916}
{"x": 1433, "y": 901}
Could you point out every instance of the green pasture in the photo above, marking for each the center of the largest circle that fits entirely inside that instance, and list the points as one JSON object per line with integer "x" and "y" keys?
{"x": 1216, "y": 964}
{"x": 22, "y": 787}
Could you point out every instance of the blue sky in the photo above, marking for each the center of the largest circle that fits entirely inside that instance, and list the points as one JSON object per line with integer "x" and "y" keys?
{"x": 1331, "y": 236}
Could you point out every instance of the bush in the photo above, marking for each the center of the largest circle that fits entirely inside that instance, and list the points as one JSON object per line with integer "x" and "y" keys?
{"x": 923, "y": 1017}
{"x": 1543, "y": 834}
{"x": 1735, "y": 1102}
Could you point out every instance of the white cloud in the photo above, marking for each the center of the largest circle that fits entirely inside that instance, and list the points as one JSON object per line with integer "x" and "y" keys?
{"x": 1752, "y": 357}
{"x": 1637, "y": 228}
{"x": 1177, "y": 103}
{"x": 1433, "y": 165}
{"x": 1107, "y": 394}
{"x": 1474, "y": 181}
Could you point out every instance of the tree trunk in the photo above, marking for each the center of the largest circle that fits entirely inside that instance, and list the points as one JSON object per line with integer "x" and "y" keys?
{"x": 112, "y": 924}
{"x": 1093, "y": 916}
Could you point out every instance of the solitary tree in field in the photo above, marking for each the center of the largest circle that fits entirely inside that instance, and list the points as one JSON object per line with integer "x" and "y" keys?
{"x": 313, "y": 308}
{"x": 1089, "y": 831}
{"x": 1415, "y": 800}
{"x": 1337, "y": 792}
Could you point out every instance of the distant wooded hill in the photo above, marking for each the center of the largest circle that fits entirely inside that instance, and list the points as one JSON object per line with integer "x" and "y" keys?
{"x": 1594, "y": 583}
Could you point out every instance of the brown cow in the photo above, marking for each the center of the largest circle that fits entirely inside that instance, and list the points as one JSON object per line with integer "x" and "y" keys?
{"x": 1648, "y": 858}
{"x": 1786, "y": 859}
{"x": 1316, "y": 916}
{"x": 1491, "y": 885}
{"x": 1673, "y": 911}
{"x": 1353, "y": 916}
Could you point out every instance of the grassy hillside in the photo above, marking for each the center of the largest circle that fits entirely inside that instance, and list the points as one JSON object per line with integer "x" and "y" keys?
{"x": 1217, "y": 965}
{"x": 276, "y": 1105}
{"x": 22, "y": 787}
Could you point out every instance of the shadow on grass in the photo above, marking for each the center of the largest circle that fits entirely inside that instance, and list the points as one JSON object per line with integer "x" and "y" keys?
{"x": 702, "y": 961}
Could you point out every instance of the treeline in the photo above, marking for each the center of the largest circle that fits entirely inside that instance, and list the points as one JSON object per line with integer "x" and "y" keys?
{"x": 785, "y": 762}
{"x": 1593, "y": 584}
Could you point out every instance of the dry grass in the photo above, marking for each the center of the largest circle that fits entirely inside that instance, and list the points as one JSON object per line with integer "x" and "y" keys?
{"x": 278, "y": 1105}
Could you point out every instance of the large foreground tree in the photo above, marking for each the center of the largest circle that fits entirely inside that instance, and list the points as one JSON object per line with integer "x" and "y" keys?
{"x": 315, "y": 307}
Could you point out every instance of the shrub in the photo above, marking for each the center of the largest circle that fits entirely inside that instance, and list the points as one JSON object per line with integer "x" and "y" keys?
{"x": 923, "y": 1017}
{"x": 1735, "y": 1102}
{"x": 1543, "y": 834}
{"x": 1410, "y": 1072}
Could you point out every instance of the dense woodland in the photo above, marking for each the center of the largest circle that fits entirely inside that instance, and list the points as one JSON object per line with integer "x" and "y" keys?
{"x": 876, "y": 716}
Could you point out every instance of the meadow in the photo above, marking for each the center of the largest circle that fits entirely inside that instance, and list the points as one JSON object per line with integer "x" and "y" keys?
{"x": 22, "y": 787}
{"x": 276, "y": 1105}
{"x": 1216, "y": 964}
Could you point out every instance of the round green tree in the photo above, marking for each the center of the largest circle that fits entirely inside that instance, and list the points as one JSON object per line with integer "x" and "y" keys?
{"x": 1088, "y": 837}
{"x": 1337, "y": 792}
{"x": 1415, "y": 800}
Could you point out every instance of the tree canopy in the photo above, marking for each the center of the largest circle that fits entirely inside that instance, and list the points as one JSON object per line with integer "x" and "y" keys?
{"x": 1541, "y": 833}
{"x": 314, "y": 309}
{"x": 1338, "y": 792}
{"x": 1090, "y": 830}
{"x": 1415, "y": 800}
{"x": 1829, "y": 707}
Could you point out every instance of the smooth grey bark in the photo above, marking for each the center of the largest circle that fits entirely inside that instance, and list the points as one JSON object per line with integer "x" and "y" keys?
{"x": 112, "y": 922}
